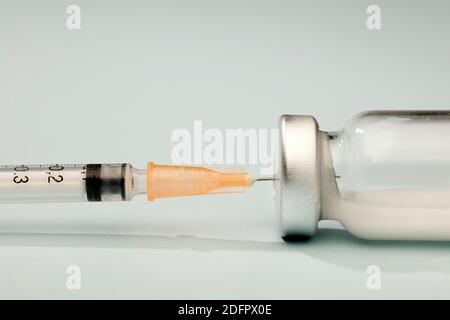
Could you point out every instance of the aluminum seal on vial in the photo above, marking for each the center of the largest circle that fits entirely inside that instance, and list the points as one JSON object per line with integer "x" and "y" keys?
{"x": 298, "y": 184}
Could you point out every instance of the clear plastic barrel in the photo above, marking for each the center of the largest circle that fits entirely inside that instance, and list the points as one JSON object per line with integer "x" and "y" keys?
{"x": 69, "y": 182}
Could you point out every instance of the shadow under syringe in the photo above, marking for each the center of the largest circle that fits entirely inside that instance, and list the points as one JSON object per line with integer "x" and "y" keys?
{"x": 333, "y": 246}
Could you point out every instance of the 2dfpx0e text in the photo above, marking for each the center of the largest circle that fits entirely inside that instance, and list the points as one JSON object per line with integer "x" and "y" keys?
{"x": 246, "y": 309}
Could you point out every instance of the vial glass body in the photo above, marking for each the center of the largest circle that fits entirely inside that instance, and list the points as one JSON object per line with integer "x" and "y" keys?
{"x": 386, "y": 175}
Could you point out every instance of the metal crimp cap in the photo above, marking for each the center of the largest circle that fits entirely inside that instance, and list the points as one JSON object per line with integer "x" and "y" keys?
{"x": 298, "y": 183}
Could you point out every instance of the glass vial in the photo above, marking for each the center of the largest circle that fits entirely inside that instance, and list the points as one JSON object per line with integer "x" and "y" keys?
{"x": 385, "y": 175}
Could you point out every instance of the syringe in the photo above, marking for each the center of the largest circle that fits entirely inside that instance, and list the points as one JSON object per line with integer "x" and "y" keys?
{"x": 113, "y": 182}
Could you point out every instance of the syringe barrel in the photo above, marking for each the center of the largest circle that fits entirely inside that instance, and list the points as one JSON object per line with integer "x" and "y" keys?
{"x": 67, "y": 182}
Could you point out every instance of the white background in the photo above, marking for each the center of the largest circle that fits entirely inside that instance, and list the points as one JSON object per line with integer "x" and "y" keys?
{"x": 115, "y": 91}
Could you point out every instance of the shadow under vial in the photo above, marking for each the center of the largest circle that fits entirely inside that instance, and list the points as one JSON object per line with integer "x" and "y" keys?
{"x": 333, "y": 246}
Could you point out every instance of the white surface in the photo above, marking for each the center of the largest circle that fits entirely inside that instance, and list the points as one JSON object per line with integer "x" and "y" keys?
{"x": 332, "y": 266}
{"x": 115, "y": 91}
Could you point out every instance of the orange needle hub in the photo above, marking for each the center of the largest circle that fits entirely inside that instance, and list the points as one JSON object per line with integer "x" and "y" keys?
{"x": 165, "y": 181}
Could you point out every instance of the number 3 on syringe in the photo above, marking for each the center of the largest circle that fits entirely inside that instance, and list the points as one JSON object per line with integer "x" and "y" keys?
{"x": 20, "y": 179}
